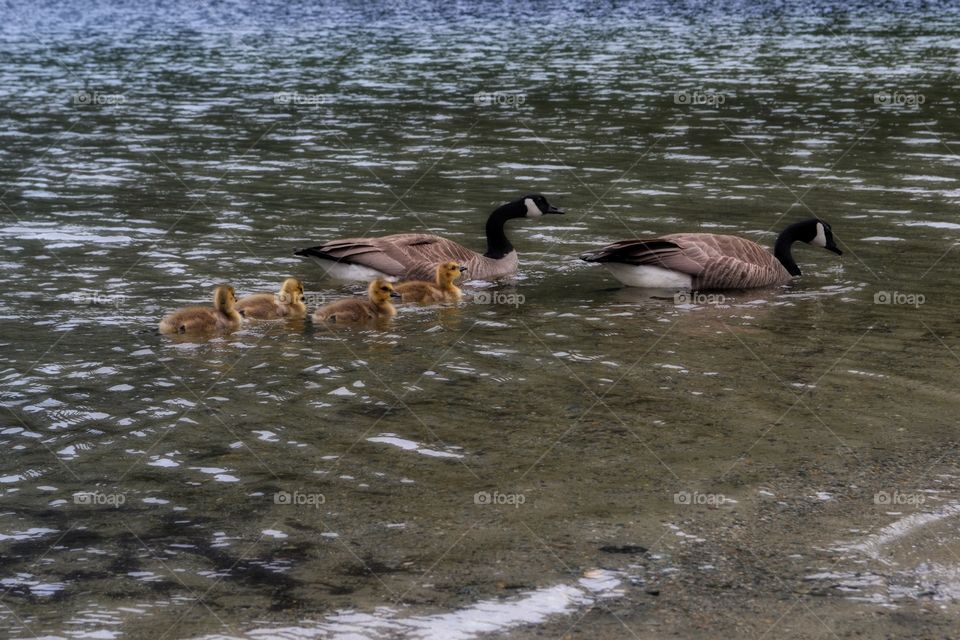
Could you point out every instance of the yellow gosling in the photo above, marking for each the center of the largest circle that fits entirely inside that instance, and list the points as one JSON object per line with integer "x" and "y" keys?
{"x": 288, "y": 303}
{"x": 443, "y": 290}
{"x": 354, "y": 311}
{"x": 221, "y": 317}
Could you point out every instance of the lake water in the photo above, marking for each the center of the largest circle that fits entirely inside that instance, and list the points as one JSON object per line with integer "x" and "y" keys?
{"x": 579, "y": 458}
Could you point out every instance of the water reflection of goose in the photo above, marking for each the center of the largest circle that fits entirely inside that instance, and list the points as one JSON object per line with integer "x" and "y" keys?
{"x": 415, "y": 255}
{"x": 708, "y": 260}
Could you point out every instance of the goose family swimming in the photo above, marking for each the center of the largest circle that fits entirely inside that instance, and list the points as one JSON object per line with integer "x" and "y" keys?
{"x": 355, "y": 311}
{"x": 442, "y": 290}
{"x": 415, "y": 255}
{"x": 222, "y": 316}
{"x": 708, "y": 260}
{"x": 678, "y": 261}
{"x": 288, "y": 303}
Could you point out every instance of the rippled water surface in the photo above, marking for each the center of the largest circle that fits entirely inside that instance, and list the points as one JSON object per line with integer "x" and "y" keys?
{"x": 580, "y": 458}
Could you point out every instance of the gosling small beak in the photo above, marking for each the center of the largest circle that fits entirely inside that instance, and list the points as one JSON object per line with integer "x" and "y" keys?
{"x": 553, "y": 209}
{"x": 462, "y": 269}
{"x": 394, "y": 294}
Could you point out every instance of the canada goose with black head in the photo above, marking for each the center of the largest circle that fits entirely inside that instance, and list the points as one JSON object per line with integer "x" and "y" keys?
{"x": 710, "y": 261}
{"x": 415, "y": 255}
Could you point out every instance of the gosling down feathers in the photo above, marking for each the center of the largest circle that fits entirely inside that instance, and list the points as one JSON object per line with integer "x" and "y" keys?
{"x": 443, "y": 290}
{"x": 354, "y": 311}
{"x": 287, "y": 303}
{"x": 710, "y": 261}
{"x": 222, "y": 316}
{"x": 415, "y": 255}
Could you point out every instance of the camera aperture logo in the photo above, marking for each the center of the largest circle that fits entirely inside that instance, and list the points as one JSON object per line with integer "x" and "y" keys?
{"x": 899, "y": 298}
{"x": 899, "y": 98}
{"x": 299, "y": 499}
{"x": 895, "y": 498}
{"x": 97, "y": 298}
{"x": 95, "y": 98}
{"x": 698, "y": 298}
{"x": 499, "y": 297}
{"x": 696, "y": 498}
{"x": 497, "y": 498}
{"x": 314, "y": 300}
{"x": 297, "y": 99}
{"x": 699, "y": 98}
{"x": 499, "y": 99}
{"x": 96, "y": 498}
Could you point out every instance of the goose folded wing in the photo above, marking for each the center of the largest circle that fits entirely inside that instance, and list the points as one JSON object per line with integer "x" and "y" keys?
{"x": 667, "y": 254}
{"x": 405, "y": 254}
{"x": 359, "y": 251}
{"x": 420, "y": 254}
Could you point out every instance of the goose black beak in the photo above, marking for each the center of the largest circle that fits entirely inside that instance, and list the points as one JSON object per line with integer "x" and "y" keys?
{"x": 835, "y": 249}
{"x": 553, "y": 209}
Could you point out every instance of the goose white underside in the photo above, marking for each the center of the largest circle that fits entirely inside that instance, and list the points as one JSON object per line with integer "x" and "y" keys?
{"x": 649, "y": 277}
{"x": 347, "y": 272}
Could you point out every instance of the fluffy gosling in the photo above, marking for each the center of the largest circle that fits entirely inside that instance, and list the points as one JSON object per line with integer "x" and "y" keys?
{"x": 443, "y": 290}
{"x": 354, "y": 311}
{"x": 288, "y": 303}
{"x": 222, "y": 316}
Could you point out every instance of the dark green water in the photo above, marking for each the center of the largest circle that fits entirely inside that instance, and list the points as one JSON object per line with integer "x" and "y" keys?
{"x": 147, "y": 154}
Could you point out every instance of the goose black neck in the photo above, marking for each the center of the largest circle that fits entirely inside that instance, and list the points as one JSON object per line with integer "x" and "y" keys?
{"x": 782, "y": 250}
{"x": 498, "y": 246}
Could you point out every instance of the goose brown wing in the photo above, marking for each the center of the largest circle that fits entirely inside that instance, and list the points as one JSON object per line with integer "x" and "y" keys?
{"x": 658, "y": 252}
{"x": 731, "y": 262}
{"x": 408, "y": 255}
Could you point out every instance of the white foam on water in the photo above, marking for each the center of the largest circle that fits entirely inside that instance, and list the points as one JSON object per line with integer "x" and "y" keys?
{"x": 874, "y": 545}
{"x": 410, "y": 445}
{"x": 899, "y": 580}
{"x": 484, "y": 617}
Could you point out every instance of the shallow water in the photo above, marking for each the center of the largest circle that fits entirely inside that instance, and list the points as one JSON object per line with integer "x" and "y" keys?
{"x": 461, "y": 470}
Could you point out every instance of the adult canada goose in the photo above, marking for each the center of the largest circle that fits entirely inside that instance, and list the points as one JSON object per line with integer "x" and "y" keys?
{"x": 222, "y": 316}
{"x": 708, "y": 260}
{"x": 288, "y": 303}
{"x": 354, "y": 311}
{"x": 415, "y": 255}
{"x": 443, "y": 290}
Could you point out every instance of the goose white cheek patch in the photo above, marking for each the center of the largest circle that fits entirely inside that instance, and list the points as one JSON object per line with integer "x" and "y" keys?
{"x": 533, "y": 211}
{"x": 821, "y": 239}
